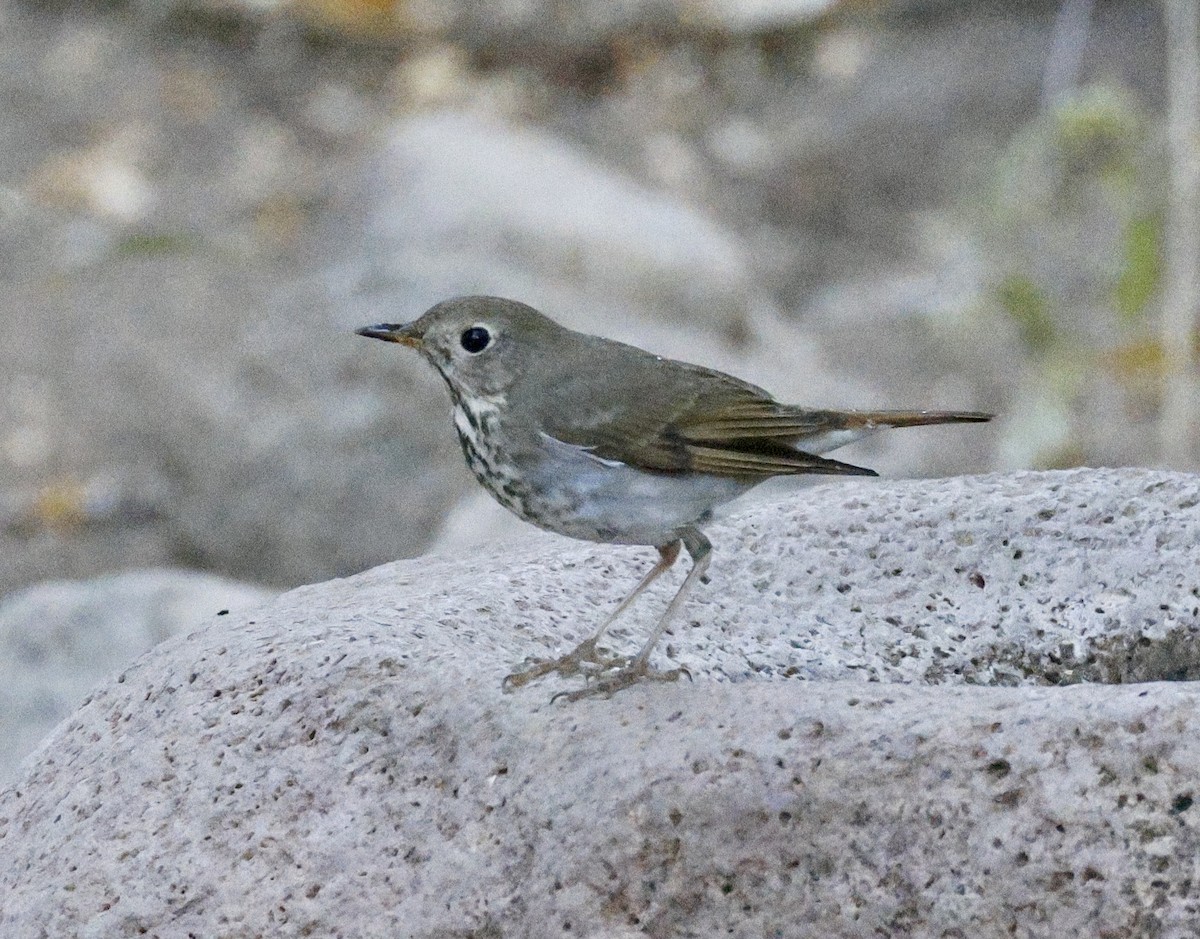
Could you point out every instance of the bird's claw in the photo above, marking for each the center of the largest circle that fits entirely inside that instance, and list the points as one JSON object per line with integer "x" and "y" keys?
{"x": 631, "y": 674}
{"x": 585, "y": 659}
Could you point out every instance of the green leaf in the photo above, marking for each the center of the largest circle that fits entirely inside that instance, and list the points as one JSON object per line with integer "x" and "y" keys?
{"x": 1141, "y": 266}
{"x": 1026, "y": 302}
{"x": 141, "y": 244}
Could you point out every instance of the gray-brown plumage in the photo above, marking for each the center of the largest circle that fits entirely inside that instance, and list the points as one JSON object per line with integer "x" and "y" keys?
{"x": 600, "y": 440}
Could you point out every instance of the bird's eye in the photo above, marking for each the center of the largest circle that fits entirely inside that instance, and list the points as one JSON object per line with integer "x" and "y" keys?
{"x": 475, "y": 339}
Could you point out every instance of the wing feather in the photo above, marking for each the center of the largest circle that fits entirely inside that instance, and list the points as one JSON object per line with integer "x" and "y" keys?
{"x": 668, "y": 416}
{"x": 723, "y": 462}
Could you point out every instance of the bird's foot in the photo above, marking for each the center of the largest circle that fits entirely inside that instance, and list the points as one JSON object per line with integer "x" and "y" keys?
{"x": 585, "y": 659}
{"x": 631, "y": 674}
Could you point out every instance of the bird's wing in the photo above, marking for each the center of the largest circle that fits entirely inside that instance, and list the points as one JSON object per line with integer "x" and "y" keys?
{"x": 715, "y": 424}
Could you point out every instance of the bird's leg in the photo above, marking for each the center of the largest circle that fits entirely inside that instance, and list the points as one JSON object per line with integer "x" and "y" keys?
{"x": 638, "y": 669}
{"x": 586, "y": 654}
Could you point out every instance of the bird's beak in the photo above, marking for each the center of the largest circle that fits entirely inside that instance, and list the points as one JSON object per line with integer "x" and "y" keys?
{"x": 402, "y": 333}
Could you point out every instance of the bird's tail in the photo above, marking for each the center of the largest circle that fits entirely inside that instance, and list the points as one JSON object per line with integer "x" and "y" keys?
{"x": 870, "y": 420}
{"x": 828, "y": 430}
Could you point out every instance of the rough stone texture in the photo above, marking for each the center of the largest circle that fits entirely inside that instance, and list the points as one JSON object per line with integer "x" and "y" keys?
{"x": 848, "y": 761}
{"x": 58, "y": 639}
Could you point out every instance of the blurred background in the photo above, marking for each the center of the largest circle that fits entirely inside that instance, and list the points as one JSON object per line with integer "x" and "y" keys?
{"x": 898, "y": 203}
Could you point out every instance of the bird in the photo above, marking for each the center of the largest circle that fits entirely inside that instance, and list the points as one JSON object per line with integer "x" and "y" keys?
{"x": 605, "y": 442}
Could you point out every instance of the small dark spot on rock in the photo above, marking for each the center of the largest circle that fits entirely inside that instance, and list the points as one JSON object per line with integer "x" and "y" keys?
{"x": 999, "y": 768}
{"x": 1010, "y": 798}
{"x": 1090, "y": 873}
{"x": 675, "y": 816}
{"x": 1059, "y": 879}
{"x": 1181, "y": 803}
{"x": 222, "y": 612}
{"x": 976, "y": 578}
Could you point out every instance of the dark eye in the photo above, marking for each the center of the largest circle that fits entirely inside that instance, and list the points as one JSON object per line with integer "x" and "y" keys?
{"x": 475, "y": 339}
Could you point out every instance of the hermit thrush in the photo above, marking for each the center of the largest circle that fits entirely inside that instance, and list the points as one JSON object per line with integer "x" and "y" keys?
{"x": 602, "y": 441}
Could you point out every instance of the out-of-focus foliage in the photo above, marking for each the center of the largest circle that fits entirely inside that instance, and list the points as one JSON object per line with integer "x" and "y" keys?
{"x": 1074, "y": 230}
{"x": 1141, "y": 272}
{"x": 1026, "y": 303}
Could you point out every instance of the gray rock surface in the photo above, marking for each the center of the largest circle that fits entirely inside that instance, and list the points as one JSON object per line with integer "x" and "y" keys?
{"x": 877, "y": 740}
{"x": 60, "y": 638}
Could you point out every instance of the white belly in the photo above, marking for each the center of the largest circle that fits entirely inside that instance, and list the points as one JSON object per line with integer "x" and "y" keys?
{"x": 603, "y": 500}
{"x": 569, "y": 490}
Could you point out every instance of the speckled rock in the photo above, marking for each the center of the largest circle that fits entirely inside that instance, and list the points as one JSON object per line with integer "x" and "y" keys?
{"x": 59, "y": 638}
{"x": 876, "y": 742}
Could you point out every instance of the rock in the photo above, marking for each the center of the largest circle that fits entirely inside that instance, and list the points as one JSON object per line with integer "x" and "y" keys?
{"x": 173, "y": 391}
{"x": 877, "y": 739}
{"x": 475, "y": 196}
{"x": 58, "y": 639}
